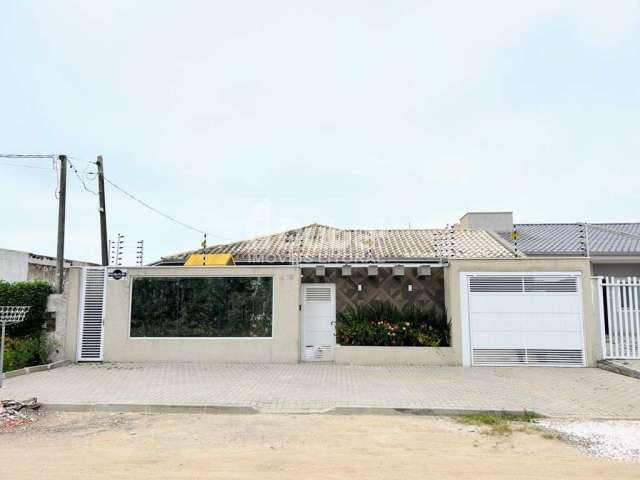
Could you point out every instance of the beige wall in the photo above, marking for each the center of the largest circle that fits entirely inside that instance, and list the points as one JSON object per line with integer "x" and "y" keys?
{"x": 396, "y": 355}
{"x": 283, "y": 347}
{"x": 72, "y": 291}
{"x": 591, "y": 327}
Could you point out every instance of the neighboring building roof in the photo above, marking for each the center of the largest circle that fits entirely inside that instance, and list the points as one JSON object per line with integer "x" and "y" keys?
{"x": 322, "y": 244}
{"x": 599, "y": 239}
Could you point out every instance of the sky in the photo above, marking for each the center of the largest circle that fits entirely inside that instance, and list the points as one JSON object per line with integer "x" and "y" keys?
{"x": 249, "y": 117}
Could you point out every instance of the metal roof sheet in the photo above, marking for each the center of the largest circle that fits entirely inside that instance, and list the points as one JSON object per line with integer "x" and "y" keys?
{"x": 601, "y": 239}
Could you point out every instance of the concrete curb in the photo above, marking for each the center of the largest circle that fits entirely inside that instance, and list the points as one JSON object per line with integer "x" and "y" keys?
{"x": 436, "y": 412}
{"x": 235, "y": 410}
{"x": 151, "y": 408}
{"x": 619, "y": 369}
{"x": 35, "y": 368}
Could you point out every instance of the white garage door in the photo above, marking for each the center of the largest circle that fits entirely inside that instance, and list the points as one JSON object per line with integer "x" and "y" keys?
{"x": 525, "y": 319}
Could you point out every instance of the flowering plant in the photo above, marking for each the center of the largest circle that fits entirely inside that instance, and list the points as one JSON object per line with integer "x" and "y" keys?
{"x": 384, "y": 324}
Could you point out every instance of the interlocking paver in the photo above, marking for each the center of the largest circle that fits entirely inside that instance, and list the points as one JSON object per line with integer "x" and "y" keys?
{"x": 584, "y": 392}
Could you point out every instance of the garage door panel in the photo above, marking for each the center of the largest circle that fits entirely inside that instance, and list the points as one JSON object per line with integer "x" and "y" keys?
{"x": 545, "y": 303}
{"x": 553, "y": 322}
{"x": 526, "y": 321}
{"x": 497, "y": 339}
{"x": 497, "y": 321}
{"x": 557, "y": 340}
{"x": 518, "y": 303}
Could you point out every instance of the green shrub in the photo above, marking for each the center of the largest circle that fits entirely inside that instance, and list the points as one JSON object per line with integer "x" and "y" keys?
{"x": 384, "y": 324}
{"x": 33, "y": 294}
{"x": 25, "y": 352}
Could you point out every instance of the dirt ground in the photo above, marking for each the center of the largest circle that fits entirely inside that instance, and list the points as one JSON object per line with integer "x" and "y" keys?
{"x": 159, "y": 446}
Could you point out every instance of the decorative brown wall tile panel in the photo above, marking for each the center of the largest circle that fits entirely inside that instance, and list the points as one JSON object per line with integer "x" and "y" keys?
{"x": 426, "y": 292}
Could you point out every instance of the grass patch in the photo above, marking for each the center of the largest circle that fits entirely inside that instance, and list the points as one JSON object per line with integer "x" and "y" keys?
{"x": 497, "y": 423}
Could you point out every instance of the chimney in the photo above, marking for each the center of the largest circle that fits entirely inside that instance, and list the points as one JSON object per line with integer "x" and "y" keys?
{"x": 496, "y": 221}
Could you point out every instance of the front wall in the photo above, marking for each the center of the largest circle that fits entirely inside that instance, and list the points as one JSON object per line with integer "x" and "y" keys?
{"x": 282, "y": 347}
{"x": 427, "y": 291}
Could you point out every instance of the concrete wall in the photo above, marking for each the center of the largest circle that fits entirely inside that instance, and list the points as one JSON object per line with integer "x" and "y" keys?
{"x": 396, "y": 355}
{"x": 282, "y": 347}
{"x": 591, "y": 320}
{"x": 496, "y": 221}
{"x": 14, "y": 265}
{"x": 69, "y": 331}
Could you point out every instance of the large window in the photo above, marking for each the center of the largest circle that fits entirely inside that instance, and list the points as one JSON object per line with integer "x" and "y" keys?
{"x": 201, "y": 307}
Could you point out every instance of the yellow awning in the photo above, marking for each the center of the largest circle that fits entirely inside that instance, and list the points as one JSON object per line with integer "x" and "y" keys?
{"x": 210, "y": 259}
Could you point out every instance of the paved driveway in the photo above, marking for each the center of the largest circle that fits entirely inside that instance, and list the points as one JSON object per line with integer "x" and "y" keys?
{"x": 318, "y": 387}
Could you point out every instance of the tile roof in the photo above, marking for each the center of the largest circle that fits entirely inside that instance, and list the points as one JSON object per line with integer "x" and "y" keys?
{"x": 322, "y": 244}
{"x": 615, "y": 239}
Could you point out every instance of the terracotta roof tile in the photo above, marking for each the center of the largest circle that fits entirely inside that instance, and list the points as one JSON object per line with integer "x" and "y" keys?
{"x": 322, "y": 244}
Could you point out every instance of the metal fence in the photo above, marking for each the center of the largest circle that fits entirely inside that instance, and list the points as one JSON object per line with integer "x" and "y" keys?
{"x": 619, "y": 300}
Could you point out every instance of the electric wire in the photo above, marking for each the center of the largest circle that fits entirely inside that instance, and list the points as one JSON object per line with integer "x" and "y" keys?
{"x": 20, "y": 165}
{"x": 17, "y": 155}
{"x": 153, "y": 209}
{"x": 90, "y": 175}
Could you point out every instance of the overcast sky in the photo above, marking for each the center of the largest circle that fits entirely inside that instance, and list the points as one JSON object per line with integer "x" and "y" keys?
{"x": 249, "y": 117}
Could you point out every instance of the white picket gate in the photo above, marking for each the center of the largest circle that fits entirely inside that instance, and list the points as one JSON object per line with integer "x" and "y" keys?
{"x": 619, "y": 300}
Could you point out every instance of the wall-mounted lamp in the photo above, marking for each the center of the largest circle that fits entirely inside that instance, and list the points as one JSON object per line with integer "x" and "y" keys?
{"x": 372, "y": 270}
{"x": 424, "y": 270}
{"x": 359, "y": 287}
{"x": 346, "y": 270}
{"x": 398, "y": 271}
{"x": 320, "y": 271}
{"x": 410, "y": 288}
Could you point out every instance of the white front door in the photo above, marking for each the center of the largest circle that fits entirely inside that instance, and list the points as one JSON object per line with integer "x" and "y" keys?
{"x": 525, "y": 319}
{"x": 318, "y": 322}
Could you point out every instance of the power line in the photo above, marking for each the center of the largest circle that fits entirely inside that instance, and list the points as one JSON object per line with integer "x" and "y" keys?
{"x": 19, "y": 165}
{"x": 17, "y": 155}
{"x": 80, "y": 176}
{"x": 84, "y": 185}
{"x": 153, "y": 209}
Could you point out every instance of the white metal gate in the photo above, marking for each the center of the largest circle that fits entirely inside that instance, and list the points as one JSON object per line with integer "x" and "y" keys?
{"x": 318, "y": 322}
{"x": 619, "y": 300}
{"x": 524, "y": 319}
{"x": 91, "y": 321}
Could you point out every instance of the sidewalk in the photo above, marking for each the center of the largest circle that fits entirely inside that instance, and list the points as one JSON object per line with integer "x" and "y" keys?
{"x": 563, "y": 392}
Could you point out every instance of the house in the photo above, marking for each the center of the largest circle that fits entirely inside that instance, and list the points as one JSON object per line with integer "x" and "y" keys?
{"x": 19, "y": 266}
{"x": 320, "y": 293}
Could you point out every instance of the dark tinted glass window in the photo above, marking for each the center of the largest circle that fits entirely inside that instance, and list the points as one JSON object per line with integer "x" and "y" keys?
{"x": 201, "y": 307}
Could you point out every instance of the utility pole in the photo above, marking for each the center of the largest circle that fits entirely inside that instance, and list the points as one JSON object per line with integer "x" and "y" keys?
{"x": 62, "y": 200}
{"x": 103, "y": 212}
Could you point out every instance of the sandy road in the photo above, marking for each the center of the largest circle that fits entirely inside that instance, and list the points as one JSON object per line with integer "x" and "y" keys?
{"x": 172, "y": 446}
